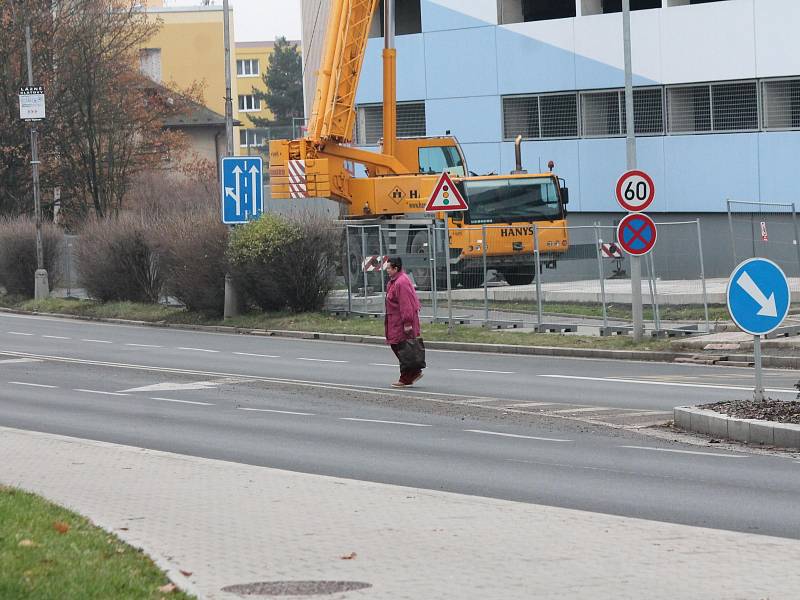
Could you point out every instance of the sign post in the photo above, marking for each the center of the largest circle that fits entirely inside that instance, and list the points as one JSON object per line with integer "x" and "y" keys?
{"x": 635, "y": 191}
{"x": 446, "y": 198}
{"x": 758, "y": 298}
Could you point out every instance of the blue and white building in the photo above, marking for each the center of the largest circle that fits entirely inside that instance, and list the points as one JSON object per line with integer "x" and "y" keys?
{"x": 716, "y": 96}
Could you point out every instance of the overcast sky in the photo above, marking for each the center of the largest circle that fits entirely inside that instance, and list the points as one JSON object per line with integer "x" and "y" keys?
{"x": 259, "y": 20}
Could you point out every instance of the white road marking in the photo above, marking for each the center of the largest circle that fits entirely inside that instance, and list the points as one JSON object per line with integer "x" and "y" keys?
{"x": 483, "y": 371}
{"x": 198, "y": 349}
{"x": 383, "y": 365}
{"x": 17, "y": 333}
{"x": 98, "y": 341}
{"x": 145, "y": 346}
{"x": 324, "y": 360}
{"x": 513, "y": 435}
{"x": 41, "y": 385}
{"x": 683, "y": 451}
{"x": 101, "y": 392}
{"x": 56, "y": 337}
{"x": 645, "y": 413}
{"x": 527, "y": 404}
{"x": 257, "y": 355}
{"x": 270, "y": 410}
{"x": 183, "y": 401}
{"x": 581, "y": 410}
{"x": 171, "y": 387}
{"x": 386, "y": 422}
{"x": 669, "y": 383}
{"x": 9, "y": 361}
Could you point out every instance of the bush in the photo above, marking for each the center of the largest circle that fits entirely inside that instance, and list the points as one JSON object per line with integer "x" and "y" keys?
{"x": 280, "y": 263}
{"x": 192, "y": 248}
{"x": 117, "y": 261}
{"x": 18, "y": 254}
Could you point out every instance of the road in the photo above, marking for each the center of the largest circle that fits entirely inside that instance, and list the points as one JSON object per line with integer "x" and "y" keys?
{"x": 552, "y": 431}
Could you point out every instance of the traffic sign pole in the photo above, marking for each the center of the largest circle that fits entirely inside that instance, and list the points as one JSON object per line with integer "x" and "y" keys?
{"x": 758, "y": 393}
{"x": 447, "y": 263}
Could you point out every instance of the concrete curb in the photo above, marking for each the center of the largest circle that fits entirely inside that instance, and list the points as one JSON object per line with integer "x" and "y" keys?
{"x": 639, "y": 355}
{"x": 748, "y": 431}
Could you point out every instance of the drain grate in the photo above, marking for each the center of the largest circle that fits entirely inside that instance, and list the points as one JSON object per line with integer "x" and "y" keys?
{"x": 295, "y": 588}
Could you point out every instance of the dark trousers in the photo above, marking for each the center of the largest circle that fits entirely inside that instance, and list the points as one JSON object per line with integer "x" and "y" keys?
{"x": 407, "y": 376}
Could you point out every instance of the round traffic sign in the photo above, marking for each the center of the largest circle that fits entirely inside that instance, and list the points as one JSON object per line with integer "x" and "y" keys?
{"x": 636, "y": 233}
{"x": 758, "y": 296}
{"x": 635, "y": 190}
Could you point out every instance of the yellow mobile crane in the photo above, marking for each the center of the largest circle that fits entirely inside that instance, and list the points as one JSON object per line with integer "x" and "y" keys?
{"x": 400, "y": 178}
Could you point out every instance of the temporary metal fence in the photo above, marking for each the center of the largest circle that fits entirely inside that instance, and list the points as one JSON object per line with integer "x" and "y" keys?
{"x": 543, "y": 286}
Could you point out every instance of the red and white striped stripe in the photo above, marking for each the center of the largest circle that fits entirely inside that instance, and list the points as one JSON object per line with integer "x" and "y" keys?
{"x": 298, "y": 183}
{"x": 375, "y": 263}
{"x": 610, "y": 251}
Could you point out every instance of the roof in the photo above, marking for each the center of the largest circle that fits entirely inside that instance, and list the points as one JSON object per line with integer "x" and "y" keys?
{"x": 195, "y": 114}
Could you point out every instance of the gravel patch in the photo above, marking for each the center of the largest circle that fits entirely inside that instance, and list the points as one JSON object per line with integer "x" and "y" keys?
{"x": 780, "y": 411}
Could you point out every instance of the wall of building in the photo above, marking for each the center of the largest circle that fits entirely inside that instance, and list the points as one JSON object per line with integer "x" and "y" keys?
{"x": 462, "y": 63}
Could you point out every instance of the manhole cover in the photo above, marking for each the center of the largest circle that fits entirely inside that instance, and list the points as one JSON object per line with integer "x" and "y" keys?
{"x": 295, "y": 588}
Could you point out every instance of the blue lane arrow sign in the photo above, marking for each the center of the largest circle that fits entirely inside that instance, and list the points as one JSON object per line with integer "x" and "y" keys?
{"x": 758, "y": 296}
{"x": 242, "y": 188}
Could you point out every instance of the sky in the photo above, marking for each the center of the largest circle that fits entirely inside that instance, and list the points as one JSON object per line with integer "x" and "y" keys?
{"x": 259, "y": 20}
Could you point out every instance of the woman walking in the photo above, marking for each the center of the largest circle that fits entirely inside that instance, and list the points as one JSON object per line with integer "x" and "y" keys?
{"x": 401, "y": 324}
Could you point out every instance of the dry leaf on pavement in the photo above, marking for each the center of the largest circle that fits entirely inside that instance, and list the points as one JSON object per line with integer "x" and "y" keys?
{"x": 350, "y": 556}
{"x": 185, "y": 573}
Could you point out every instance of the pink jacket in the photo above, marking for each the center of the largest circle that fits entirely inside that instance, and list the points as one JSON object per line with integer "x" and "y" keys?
{"x": 402, "y": 308}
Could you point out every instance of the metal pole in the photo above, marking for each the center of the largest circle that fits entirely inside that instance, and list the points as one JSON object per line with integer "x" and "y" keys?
{"x": 703, "y": 275}
{"x": 537, "y": 274}
{"x": 485, "y": 277}
{"x": 231, "y": 305}
{"x": 600, "y": 273}
{"x": 652, "y": 269}
{"x": 40, "y": 283}
{"x": 758, "y": 393}
{"x": 730, "y": 226}
{"x": 447, "y": 263}
{"x": 347, "y": 270}
{"x": 363, "y": 258}
{"x": 796, "y": 238}
{"x": 380, "y": 269}
{"x": 432, "y": 270}
{"x": 630, "y": 155}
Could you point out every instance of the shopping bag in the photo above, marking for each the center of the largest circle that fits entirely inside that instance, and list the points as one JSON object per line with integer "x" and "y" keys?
{"x": 411, "y": 354}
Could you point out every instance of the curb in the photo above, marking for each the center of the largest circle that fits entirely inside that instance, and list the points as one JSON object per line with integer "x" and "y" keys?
{"x": 638, "y": 355}
{"x": 748, "y": 431}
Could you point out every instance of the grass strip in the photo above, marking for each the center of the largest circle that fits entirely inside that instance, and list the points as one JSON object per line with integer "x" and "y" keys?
{"x": 49, "y": 552}
{"x": 324, "y": 323}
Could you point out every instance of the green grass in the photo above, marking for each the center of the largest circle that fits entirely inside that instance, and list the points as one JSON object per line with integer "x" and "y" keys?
{"x": 84, "y": 562}
{"x": 325, "y": 323}
{"x": 614, "y": 311}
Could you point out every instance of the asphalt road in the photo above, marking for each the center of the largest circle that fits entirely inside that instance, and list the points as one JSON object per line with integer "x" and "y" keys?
{"x": 520, "y": 428}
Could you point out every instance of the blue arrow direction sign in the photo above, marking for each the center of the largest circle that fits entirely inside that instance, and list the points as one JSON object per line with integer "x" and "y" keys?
{"x": 758, "y": 296}
{"x": 242, "y": 188}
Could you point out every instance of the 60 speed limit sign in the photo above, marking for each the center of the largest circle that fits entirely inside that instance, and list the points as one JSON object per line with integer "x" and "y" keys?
{"x": 635, "y": 191}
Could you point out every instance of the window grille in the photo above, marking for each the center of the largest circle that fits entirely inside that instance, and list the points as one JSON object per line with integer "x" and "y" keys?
{"x": 521, "y": 117}
{"x": 369, "y": 122}
{"x": 781, "y": 104}
{"x": 689, "y": 109}
{"x": 559, "y": 115}
{"x": 601, "y": 113}
{"x": 734, "y": 106}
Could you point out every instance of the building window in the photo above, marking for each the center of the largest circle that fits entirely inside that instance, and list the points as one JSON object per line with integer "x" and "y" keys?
{"x": 687, "y": 2}
{"x": 253, "y": 138}
{"x": 603, "y": 113}
{"x": 602, "y": 7}
{"x": 520, "y": 11}
{"x": 713, "y": 107}
{"x": 542, "y": 116}
{"x": 247, "y": 67}
{"x": 781, "y": 104}
{"x": 648, "y": 112}
{"x": 249, "y": 103}
{"x": 407, "y": 18}
{"x": 369, "y": 122}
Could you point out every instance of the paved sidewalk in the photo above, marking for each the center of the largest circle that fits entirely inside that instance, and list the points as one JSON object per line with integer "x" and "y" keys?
{"x": 230, "y": 524}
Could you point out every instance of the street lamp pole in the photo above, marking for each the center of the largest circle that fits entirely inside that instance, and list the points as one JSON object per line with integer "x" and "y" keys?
{"x": 230, "y": 306}
{"x": 41, "y": 288}
{"x": 630, "y": 155}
